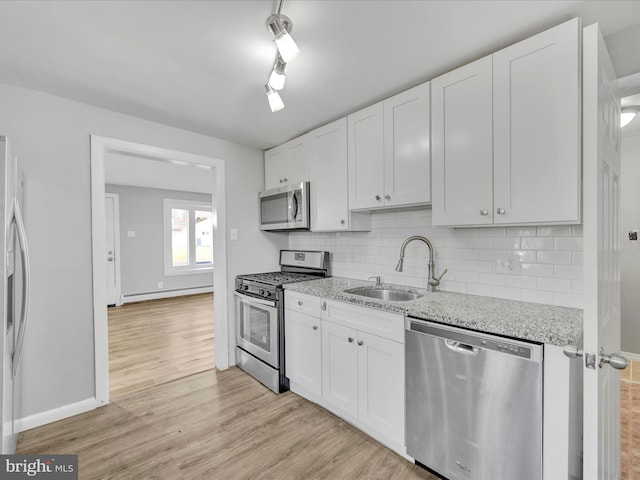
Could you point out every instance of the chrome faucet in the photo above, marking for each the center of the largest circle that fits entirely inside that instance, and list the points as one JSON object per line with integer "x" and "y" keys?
{"x": 378, "y": 280}
{"x": 433, "y": 280}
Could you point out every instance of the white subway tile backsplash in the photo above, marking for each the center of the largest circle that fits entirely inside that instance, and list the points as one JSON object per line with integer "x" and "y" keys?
{"x": 568, "y": 243}
{"x": 560, "y": 285}
{"x": 537, "y": 243}
{"x": 553, "y": 257}
{"x": 563, "y": 231}
{"x": 550, "y": 257}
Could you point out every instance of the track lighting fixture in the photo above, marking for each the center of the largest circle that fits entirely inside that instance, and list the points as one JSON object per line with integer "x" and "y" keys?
{"x": 277, "y": 78}
{"x": 280, "y": 27}
{"x": 275, "y": 102}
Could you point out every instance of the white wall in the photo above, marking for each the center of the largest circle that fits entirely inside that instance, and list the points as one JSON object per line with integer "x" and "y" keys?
{"x": 551, "y": 257}
{"x": 51, "y": 137}
{"x": 630, "y": 251}
{"x": 142, "y": 256}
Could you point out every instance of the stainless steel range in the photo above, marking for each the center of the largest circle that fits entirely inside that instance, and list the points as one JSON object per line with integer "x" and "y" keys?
{"x": 259, "y": 311}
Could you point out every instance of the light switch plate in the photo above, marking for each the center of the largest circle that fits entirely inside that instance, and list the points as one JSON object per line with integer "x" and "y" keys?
{"x": 233, "y": 233}
{"x": 131, "y": 233}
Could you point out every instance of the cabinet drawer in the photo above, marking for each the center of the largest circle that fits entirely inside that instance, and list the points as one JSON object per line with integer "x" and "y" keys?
{"x": 377, "y": 322}
{"x": 300, "y": 302}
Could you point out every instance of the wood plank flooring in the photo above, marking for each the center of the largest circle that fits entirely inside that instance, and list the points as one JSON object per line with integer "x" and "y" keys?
{"x": 216, "y": 425}
{"x": 157, "y": 341}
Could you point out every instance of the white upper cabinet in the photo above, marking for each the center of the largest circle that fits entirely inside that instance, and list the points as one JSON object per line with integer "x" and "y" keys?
{"x": 389, "y": 152}
{"x": 287, "y": 163}
{"x": 327, "y": 147}
{"x": 506, "y": 133}
{"x": 462, "y": 127}
{"x": 366, "y": 162}
{"x": 536, "y": 128}
{"x": 328, "y": 169}
{"x": 407, "y": 158}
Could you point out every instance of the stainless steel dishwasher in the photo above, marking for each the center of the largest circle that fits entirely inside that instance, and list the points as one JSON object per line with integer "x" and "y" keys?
{"x": 473, "y": 403}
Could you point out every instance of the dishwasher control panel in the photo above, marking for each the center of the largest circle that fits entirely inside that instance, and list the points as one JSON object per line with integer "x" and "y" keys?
{"x": 471, "y": 340}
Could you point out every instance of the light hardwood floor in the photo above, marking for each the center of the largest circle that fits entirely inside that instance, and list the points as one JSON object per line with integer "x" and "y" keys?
{"x": 630, "y": 421}
{"x": 157, "y": 341}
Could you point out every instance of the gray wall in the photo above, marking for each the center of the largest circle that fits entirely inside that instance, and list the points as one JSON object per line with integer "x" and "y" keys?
{"x": 51, "y": 136}
{"x": 142, "y": 256}
{"x": 630, "y": 251}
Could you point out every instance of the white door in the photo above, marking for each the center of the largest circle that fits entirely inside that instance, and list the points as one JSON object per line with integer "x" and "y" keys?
{"x": 601, "y": 167}
{"x": 112, "y": 251}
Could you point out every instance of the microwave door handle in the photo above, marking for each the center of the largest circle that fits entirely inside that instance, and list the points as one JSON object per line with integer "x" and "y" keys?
{"x": 295, "y": 201}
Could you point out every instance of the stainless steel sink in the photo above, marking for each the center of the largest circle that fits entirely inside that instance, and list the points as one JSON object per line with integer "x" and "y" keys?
{"x": 384, "y": 294}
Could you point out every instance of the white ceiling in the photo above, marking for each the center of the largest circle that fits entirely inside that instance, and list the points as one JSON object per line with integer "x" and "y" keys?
{"x": 202, "y": 65}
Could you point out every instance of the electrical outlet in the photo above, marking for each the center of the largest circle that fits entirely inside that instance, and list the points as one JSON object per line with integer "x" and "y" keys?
{"x": 160, "y": 285}
{"x": 508, "y": 264}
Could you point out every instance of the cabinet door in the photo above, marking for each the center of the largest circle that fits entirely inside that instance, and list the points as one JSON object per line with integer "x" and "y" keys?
{"x": 328, "y": 175}
{"x": 275, "y": 167}
{"x": 537, "y": 128}
{"x": 407, "y": 156}
{"x": 365, "y": 152}
{"x": 340, "y": 367}
{"x": 462, "y": 145}
{"x": 303, "y": 352}
{"x": 381, "y": 385}
{"x": 297, "y": 160}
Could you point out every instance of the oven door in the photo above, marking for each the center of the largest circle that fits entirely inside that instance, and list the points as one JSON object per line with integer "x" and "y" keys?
{"x": 257, "y": 328}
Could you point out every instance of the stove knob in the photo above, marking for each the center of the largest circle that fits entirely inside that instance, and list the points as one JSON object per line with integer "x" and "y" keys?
{"x": 267, "y": 293}
{"x": 245, "y": 287}
{"x": 261, "y": 291}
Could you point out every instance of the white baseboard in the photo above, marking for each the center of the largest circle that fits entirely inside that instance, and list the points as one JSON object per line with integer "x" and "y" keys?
{"x": 165, "y": 294}
{"x": 631, "y": 356}
{"x": 50, "y": 416}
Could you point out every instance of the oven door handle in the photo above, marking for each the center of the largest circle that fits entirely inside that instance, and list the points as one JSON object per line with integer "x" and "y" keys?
{"x": 249, "y": 299}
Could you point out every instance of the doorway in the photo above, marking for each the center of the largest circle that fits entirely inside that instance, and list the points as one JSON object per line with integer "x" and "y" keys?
{"x": 101, "y": 148}
{"x": 112, "y": 224}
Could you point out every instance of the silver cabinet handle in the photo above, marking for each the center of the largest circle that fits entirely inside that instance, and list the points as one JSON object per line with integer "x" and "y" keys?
{"x": 378, "y": 197}
{"x": 341, "y": 222}
{"x": 500, "y": 211}
{"x": 300, "y": 302}
{"x": 324, "y": 306}
{"x": 360, "y": 342}
{"x": 615, "y": 360}
{"x": 387, "y": 196}
{"x": 280, "y": 180}
{"x": 350, "y": 339}
{"x": 315, "y": 327}
{"x": 484, "y": 212}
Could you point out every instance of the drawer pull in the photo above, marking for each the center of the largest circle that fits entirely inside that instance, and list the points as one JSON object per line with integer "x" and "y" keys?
{"x": 315, "y": 327}
{"x": 300, "y": 302}
{"x": 350, "y": 339}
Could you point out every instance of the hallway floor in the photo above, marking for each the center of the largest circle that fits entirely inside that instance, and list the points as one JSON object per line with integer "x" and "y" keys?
{"x": 158, "y": 341}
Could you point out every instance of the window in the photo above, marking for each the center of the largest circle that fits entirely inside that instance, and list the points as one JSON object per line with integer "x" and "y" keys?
{"x": 188, "y": 237}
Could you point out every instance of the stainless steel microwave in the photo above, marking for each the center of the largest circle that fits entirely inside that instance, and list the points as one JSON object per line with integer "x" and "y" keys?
{"x": 285, "y": 208}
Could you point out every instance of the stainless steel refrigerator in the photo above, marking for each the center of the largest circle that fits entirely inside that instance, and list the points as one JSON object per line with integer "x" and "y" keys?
{"x": 15, "y": 293}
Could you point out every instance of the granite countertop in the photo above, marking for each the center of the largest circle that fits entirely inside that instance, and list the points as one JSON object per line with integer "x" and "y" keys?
{"x": 527, "y": 321}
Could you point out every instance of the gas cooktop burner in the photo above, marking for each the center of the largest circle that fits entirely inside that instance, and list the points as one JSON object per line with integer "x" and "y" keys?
{"x": 277, "y": 278}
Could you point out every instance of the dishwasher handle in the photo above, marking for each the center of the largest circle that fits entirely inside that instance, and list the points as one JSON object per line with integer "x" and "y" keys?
{"x": 461, "y": 347}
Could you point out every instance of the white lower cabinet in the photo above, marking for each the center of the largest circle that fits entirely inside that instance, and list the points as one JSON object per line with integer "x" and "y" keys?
{"x": 303, "y": 339}
{"x": 349, "y": 360}
{"x": 363, "y": 374}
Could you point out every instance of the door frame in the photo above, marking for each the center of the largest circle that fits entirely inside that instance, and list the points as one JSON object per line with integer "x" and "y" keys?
{"x": 100, "y": 147}
{"x": 116, "y": 245}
